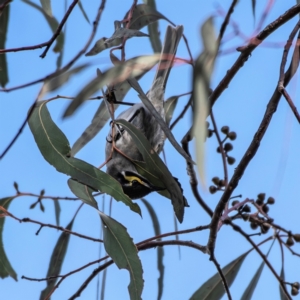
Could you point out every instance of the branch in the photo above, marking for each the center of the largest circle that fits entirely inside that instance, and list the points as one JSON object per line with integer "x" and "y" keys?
{"x": 52, "y": 75}
{"x": 248, "y": 49}
{"x": 250, "y": 153}
{"x": 238, "y": 229}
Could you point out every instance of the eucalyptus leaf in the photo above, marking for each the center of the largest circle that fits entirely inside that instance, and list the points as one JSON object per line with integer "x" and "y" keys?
{"x": 57, "y": 210}
{"x": 83, "y": 11}
{"x": 143, "y": 15}
{"x": 153, "y": 29}
{"x": 55, "y": 148}
{"x": 160, "y": 250}
{"x": 46, "y": 5}
{"x": 169, "y": 106}
{"x": 248, "y": 293}
{"x": 134, "y": 84}
{"x": 122, "y": 33}
{"x": 213, "y": 288}
{"x": 57, "y": 259}
{"x": 83, "y": 192}
{"x": 102, "y": 44}
{"x": 120, "y": 247}
{"x": 56, "y": 82}
{"x": 4, "y": 17}
{"x": 129, "y": 69}
{"x": 53, "y": 25}
{"x": 282, "y": 276}
{"x": 201, "y": 84}
{"x": 6, "y": 269}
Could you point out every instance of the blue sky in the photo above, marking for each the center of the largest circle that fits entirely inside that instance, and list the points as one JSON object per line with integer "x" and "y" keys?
{"x": 274, "y": 169}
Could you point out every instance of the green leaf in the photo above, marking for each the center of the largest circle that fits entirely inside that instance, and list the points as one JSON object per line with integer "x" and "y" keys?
{"x": 56, "y": 82}
{"x": 5, "y": 267}
{"x": 169, "y": 106}
{"x": 127, "y": 33}
{"x": 57, "y": 259}
{"x": 46, "y": 5}
{"x": 57, "y": 210}
{"x": 156, "y": 167}
{"x": 53, "y": 25}
{"x": 120, "y": 247}
{"x": 253, "y": 4}
{"x": 282, "y": 276}
{"x": 144, "y": 15}
{"x": 158, "y": 118}
{"x": 83, "y": 192}
{"x": 55, "y": 148}
{"x": 83, "y": 11}
{"x": 4, "y": 17}
{"x": 153, "y": 29}
{"x": 201, "y": 83}
{"x": 160, "y": 250}
{"x": 101, "y": 45}
{"x": 213, "y": 287}
{"x": 129, "y": 69}
{"x": 248, "y": 293}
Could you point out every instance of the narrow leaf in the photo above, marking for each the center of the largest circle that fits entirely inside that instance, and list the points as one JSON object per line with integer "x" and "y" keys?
{"x": 56, "y": 260}
{"x": 201, "y": 84}
{"x": 101, "y": 45}
{"x": 253, "y": 4}
{"x": 55, "y": 148}
{"x": 155, "y": 165}
{"x": 129, "y": 69}
{"x": 158, "y": 118}
{"x": 4, "y": 17}
{"x": 160, "y": 250}
{"x": 282, "y": 276}
{"x": 57, "y": 211}
{"x": 5, "y": 267}
{"x": 59, "y": 81}
{"x": 170, "y": 105}
{"x": 53, "y": 25}
{"x": 120, "y": 247}
{"x": 248, "y": 293}
{"x": 127, "y": 33}
{"x": 46, "y": 5}
{"x": 83, "y": 11}
{"x": 83, "y": 192}
{"x": 213, "y": 288}
{"x": 153, "y": 30}
{"x": 144, "y": 15}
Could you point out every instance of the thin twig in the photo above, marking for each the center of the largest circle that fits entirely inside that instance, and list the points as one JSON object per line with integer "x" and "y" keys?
{"x": 223, "y": 154}
{"x": 59, "y": 28}
{"x": 264, "y": 258}
{"x": 249, "y": 48}
{"x": 249, "y": 154}
{"x": 226, "y": 20}
{"x": 52, "y": 75}
{"x": 223, "y": 278}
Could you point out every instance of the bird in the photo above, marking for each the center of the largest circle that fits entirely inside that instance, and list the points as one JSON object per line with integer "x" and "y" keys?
{"x": 119, "y": 167}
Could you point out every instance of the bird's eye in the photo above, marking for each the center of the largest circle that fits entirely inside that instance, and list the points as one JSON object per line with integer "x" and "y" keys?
{"x": 134, "y": 182}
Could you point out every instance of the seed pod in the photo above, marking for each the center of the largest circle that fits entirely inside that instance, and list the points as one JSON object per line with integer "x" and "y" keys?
{"x": 232, "y": 135}
{"x": 225, "y": 129}
{"x": 228, "y": 147}
{"x": 290, "y": 241}
{"x": 215, "y": 180}
{"x": 212, "y": 189}
{"x": 271, "y": 200}
{"x": 230, "y": 160}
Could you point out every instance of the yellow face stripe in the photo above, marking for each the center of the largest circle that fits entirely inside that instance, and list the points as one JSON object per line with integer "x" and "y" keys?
{"x": 132, "y": 178}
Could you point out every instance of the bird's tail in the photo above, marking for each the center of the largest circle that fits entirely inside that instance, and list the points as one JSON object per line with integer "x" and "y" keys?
{"x": 172, "y": 38}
